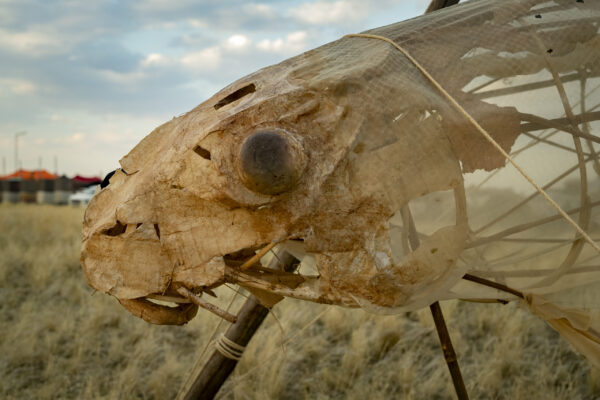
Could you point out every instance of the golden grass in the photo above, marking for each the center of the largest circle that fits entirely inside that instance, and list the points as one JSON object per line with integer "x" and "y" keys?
{"x": 59, "y": 341}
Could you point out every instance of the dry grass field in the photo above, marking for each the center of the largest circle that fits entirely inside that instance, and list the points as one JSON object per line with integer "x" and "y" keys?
{"x": 58, "y": 340}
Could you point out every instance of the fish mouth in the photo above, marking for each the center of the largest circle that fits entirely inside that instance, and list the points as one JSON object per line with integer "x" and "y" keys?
{"x": 178, "y": 305}
{"x": 173, "y": 308}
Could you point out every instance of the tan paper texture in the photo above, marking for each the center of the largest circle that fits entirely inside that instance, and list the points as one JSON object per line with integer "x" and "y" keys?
{"x": 350, "y": 134}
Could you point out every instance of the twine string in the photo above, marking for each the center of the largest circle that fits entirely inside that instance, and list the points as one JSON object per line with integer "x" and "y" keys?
{"x": 228, "y": 348}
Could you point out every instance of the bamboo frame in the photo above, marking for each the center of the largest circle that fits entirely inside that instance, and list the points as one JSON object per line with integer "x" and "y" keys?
{"x": 194, "y": 298}
{"x": 438, "y": 317}
{"x": 208, "y": 381}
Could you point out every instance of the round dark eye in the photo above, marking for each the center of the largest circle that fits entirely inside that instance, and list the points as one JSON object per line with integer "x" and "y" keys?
{"x": 270, "y": 162}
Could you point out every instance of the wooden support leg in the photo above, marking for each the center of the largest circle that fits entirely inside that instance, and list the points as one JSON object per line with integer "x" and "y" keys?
{"x": 448, "y": 349}
{"x": 438, "y": 317}
{"x": 249, "y": 318}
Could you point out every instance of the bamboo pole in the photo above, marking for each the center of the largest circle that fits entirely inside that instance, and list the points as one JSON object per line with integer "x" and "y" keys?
{"x": 449, "y": 353}
{"x": 493, "y": 284}
{"x": 436, "y": 310}
{"x": 438, "y": 317}
{"x": 218, "y": 368}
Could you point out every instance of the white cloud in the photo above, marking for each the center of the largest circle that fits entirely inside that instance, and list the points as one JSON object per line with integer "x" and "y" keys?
{"x": 154, "y": 59}
{"x": 259, "y": 9}
{"x": 293, "y": 43}
{"x": 204, "y": 60}
{"x": 122, "y": 78}
{"x": 17, "y": 86}
{"x": 296, "y": 38}
{"x": 270, "y": 45}
{"x": 323, "y": 12}
{"x": 31, "y": 42}
{"x": 158, "y": 6}
{"x": 198, "y": 23}
{"x": 237, "y": 41}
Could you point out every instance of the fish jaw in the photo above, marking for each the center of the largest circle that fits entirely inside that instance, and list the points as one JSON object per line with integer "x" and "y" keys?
{"x": 140, "y": 248}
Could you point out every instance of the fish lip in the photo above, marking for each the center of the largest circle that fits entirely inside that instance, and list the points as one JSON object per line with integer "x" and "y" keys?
{"x": 157, "y": 297}
{"x": 159, "y": 314}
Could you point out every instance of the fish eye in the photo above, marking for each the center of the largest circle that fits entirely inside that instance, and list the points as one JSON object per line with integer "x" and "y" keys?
{"x": 269, "y": 162}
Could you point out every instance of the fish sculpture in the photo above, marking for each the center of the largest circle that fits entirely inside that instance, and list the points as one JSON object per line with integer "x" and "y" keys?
{"x": 394, "y": 163}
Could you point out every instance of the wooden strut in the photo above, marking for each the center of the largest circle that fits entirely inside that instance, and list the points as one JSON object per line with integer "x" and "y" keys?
{"x": 492, "y": 284}
{"x": 218, "y": 368}
{"x": 436, "y": 310}
{"x": 449, "y": 353}
{"x": 438, "y": 318}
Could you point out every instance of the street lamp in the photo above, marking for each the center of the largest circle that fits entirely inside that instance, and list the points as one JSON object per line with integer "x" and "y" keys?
{"x": 22, "y": 133}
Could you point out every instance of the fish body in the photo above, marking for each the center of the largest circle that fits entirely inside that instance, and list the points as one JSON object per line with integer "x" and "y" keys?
{"x": 338, "y": 151}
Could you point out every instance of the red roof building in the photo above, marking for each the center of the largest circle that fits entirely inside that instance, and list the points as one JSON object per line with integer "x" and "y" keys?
{"x": 30, "y": 175}
{"x": 87, "y": 180}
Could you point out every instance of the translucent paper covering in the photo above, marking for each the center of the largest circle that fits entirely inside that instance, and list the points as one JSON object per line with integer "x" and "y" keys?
{"x": 402, "y": 181}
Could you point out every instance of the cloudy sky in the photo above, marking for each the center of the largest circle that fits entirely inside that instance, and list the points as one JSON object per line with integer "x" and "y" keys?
{"x": 88, "y": 79}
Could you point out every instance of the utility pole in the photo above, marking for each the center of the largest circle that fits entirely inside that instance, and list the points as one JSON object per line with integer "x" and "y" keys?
{"x": 3, "y": 165}
{"x": 22, "y": 133}
{"x": 55, "y": 165}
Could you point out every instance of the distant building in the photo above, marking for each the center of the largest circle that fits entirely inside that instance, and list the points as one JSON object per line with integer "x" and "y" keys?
{"x": 62, "y": 190}
{"x": 41, "y": 186}
{"x": 24, "y": 174}
{"x": 80, "y": 182}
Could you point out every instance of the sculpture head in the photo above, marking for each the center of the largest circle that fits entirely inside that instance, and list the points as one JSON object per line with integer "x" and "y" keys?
{"x": 309, "y": 150}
